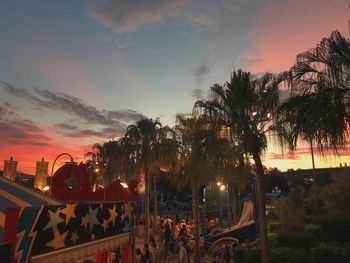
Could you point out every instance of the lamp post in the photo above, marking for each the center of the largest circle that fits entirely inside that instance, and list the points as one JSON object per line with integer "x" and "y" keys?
{"x": 204, "y": 213}
{"x": 53, "y": 166}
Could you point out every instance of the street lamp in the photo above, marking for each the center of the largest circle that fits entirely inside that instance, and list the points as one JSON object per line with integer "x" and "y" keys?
{"x": 53, "y": 165}
{"x": 222, "y": 187}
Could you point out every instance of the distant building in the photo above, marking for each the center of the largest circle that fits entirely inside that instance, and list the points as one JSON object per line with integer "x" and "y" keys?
{"x": 24, "y": 179}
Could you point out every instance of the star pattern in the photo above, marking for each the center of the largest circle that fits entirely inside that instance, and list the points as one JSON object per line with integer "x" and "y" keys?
{"x": 84, "y": 221}
{"x": 113, "y": 214}
{"x": 74, "y": 237}
{"x": 55, "y": 220}
{"x": 58, "y": 240}
{"x": 69, "y": 212}
{"x": 127, "y": 211}
{"x": 93, "y": 218}
{"x": 74, "y": 224}
{"x": 105, "y": 224}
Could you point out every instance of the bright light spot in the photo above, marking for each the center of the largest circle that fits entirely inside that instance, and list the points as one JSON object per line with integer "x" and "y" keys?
{"x": 97, "y": 170}
{"x": 255, "y": 113}
{"x": 70, "y": 187}
{"x": 268, "y": 115}
{"x": 124, "y": 185}
{"x": 222, "y": 187}
{"x": 46, "y": 188}
{"x": 96, "y": 163}
{"x": 218, "y": 183}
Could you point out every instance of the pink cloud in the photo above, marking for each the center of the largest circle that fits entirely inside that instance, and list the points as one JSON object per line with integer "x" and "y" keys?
{"x": 283, "y": 29}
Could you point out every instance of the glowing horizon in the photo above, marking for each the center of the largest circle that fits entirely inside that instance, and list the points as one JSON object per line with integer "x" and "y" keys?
{"x": 72, "y": 79}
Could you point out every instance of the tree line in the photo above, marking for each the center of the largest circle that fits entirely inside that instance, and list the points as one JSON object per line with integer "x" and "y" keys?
{"x": 226, "y": 134}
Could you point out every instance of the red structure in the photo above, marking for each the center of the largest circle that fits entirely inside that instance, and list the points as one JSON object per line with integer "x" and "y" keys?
{"x": 71, "y": 183}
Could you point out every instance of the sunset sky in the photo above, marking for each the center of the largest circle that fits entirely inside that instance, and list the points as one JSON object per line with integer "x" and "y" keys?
{"x": 73, "y": 73}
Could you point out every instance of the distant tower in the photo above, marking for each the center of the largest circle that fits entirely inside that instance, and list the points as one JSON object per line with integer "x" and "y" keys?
{"x": 42, "y": 168}
{"x": 10, "y": 169}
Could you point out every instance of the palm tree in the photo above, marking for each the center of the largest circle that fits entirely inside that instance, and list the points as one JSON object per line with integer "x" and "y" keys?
{"x": 247, "y": 106}
{"x": 140, "y": 143}
{"x": 108, "y": 156}
{"x": 318, "y": 109}
{"x": 201, "y": 155}
{"x": 165, "y": 156}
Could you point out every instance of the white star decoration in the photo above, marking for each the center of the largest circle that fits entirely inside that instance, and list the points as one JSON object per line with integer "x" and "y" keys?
{"x": 74, "y": 237}
{"x": 55, "y": 220}
{"x": 93, "y": 218}
{"x": 127, "y": 211}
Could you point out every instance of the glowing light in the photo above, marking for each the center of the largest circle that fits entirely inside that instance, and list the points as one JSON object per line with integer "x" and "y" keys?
{"x": 97, "y": 170}
{"x": 46, "y": 188}
{"x": 268, "y": 115}
{"x": 124, "y": 185}
{"x": 254, "y": 113}
{"x": 222, "y": 187}
{"x": 218, "y": 183}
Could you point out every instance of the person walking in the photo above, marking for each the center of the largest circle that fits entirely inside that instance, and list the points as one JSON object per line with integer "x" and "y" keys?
{"x": 155, "y": 253}
{"x": 172, "y": 257}
{"x": 183, "y": 258}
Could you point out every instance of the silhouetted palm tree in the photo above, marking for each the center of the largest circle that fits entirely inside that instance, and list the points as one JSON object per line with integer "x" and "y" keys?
{"x": 318, "y": 109}
{"x": 247, "y": 105}
{"x": 202, "y": 155}
{"x": 108, "y": 156}
{"x": 140, "y": 143}
{"x": 165, "y": 156}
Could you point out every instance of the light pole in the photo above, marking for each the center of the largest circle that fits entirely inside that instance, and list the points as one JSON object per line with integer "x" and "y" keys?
{"x": 204, "y": 213}
{"x": 53, "y": 165}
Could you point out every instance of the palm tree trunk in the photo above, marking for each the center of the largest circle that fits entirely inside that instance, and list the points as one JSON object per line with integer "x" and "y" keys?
{"x": 313, "y": 160}
{"x": 146, "y": 228}
{"x": 155, "y": 201}
{"x": 234, "y": 204}
{"x": 261, "y": 207}
{"x": 195, "y": 212}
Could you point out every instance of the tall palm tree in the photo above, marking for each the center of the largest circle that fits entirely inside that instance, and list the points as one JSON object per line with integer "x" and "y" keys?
{"x": 247, "y": 105}
{"x": 140, "y": 142}
{"x": 318, "y": 109}
{"x": 165, "y": 156}
{"x": 201, "y": 155}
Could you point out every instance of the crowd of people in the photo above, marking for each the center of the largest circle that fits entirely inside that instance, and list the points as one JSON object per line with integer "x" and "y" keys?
{"x": 171, "y": 241}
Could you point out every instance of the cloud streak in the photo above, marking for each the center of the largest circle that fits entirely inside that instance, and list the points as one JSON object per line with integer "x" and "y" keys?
{"x": 125, "y": 16}
{"x": 73, "y": 106}
{"x": 19, "y": 131}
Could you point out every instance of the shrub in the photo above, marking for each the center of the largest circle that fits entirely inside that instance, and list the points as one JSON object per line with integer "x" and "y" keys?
{"x": 289, "y": 255}
{"x": 331, "y": 252}
{"x": 297, "y": 239}
{"x": 334, "y": 228}
{"x": 248, "y": 255}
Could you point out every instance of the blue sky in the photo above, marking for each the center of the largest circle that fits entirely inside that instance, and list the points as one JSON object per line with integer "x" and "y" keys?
{"x": 78, "y": 72}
